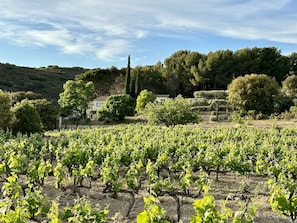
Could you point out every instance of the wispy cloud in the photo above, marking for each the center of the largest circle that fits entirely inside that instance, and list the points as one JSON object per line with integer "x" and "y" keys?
{"x": 109, "y": 29}
{"x": 118, "y": 47}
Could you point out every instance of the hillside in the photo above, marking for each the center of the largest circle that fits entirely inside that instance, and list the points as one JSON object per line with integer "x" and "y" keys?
{"x": 106, "y": 81}
{"x": 48, "y": 81}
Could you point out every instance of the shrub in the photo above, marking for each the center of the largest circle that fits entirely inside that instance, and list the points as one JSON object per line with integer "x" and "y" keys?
{"x": 198, "y": 102}
{"x": 5, "y": 109}
{"x": 254, "y": 92}
{"x": 47, "y": 113}
{"x": 171, "y": 112}
{"x": 116, "y": 107}
{"x": 289, "y": 86}
{"x": 26, "y": 119}
{"x": 283, "y": 103}
{"x": 237, "y": 117}
{"x": 143, "y": 99}
{"x": 218, "y": 94}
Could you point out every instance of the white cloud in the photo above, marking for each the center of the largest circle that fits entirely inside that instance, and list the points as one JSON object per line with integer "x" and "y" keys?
{"x": 111, "y": 48}
{"x": 108, "y": 29}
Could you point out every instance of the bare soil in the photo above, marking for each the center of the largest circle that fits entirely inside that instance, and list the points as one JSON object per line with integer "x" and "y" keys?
{"x": 228, "y": 187}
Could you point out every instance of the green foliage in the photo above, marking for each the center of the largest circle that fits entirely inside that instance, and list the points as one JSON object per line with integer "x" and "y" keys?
{"x": 38, "y": 171}
{"x": 289, "y": 86}
{"x": 293, "y": 63}
{"x": 183, "y": 72}
{"x": 293, "y": 110}
{"x": 82, "y": 211}
{"x": 254, "y": 92}
{"x": 137, "y": 85}
{"x": 106, "y": 81}
{"x": 283, "y": 103}
{"x": 153, "y": 212}
{"x": 128, "y": 78}
{"x": 177, "y": 72}
{"x": 283, "y": 185}
{"x": 12, "y": 187}
{"x": 207, "y": 212}
{"x": 21, "y": 95}
{"x": 168, "y": 160}
{"x": 47, "y": 112}
{"x": 171, "y": 112}
{"x": 36, "y": 202}
{"x": 284, "y": 196}
{"x": 76, "y": 96}
{"x": 238, "y": 117}
{"x": 53, "y": 214}
{"x": 266, "y": 60}
{"x": 211, "y": 100}
{"x": 46, "y": 81}
{"x": 150, "y": 78}
{"x": 116, "y": 107}
{"x": 5, "y": 109}
{"x": 246, "y": 213}
{"x": 143, "y": 99}
{"x": 214, "y": 70}
{"x": 26, "y": 118}
{"x": 212, "y": 94}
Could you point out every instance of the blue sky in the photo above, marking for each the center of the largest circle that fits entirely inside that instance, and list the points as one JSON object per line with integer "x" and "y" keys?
{"x": 102, "y": 33}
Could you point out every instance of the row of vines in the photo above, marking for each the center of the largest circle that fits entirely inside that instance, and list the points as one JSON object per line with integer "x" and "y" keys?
{"x": 154, "y": 162}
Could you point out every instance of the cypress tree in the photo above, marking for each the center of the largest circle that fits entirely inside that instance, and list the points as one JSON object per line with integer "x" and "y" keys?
{"x": 137, "y": 85}
{"x": 132, "y": 88}
{"x": 128, "y": 78}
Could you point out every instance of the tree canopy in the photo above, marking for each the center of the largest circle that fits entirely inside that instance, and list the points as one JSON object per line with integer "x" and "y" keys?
{"x": 182, "y": 72}
{"x": 76, "y": 96}
{"x": 177, "y": 72}
{"x": 254, "y": 92}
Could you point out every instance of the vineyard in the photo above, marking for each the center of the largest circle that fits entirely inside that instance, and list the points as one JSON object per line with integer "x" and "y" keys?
{"x": 142, "y": 173}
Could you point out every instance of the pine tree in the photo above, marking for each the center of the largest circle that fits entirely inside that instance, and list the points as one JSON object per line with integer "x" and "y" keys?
{"x": 128, "y": 78}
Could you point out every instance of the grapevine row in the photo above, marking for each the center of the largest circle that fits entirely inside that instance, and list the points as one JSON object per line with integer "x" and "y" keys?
{"x": 175, "y": 161}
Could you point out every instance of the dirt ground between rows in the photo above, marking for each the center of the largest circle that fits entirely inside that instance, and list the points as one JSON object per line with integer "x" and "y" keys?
{"x": 228, "y": 187}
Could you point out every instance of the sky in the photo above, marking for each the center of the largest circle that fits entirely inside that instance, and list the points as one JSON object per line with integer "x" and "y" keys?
{"x": 102, "y": 33}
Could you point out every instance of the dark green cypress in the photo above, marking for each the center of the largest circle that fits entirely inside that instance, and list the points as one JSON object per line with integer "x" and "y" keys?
{"x": 128, "y": 78}
{"x": 137, "y": 85}
{"x": 132, "y": 88}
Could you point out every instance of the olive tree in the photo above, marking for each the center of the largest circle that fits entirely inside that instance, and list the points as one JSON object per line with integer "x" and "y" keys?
{"x": 76, "y": 96}
{"x": 254, "y": 92}
{"x": 172, "y": 111}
